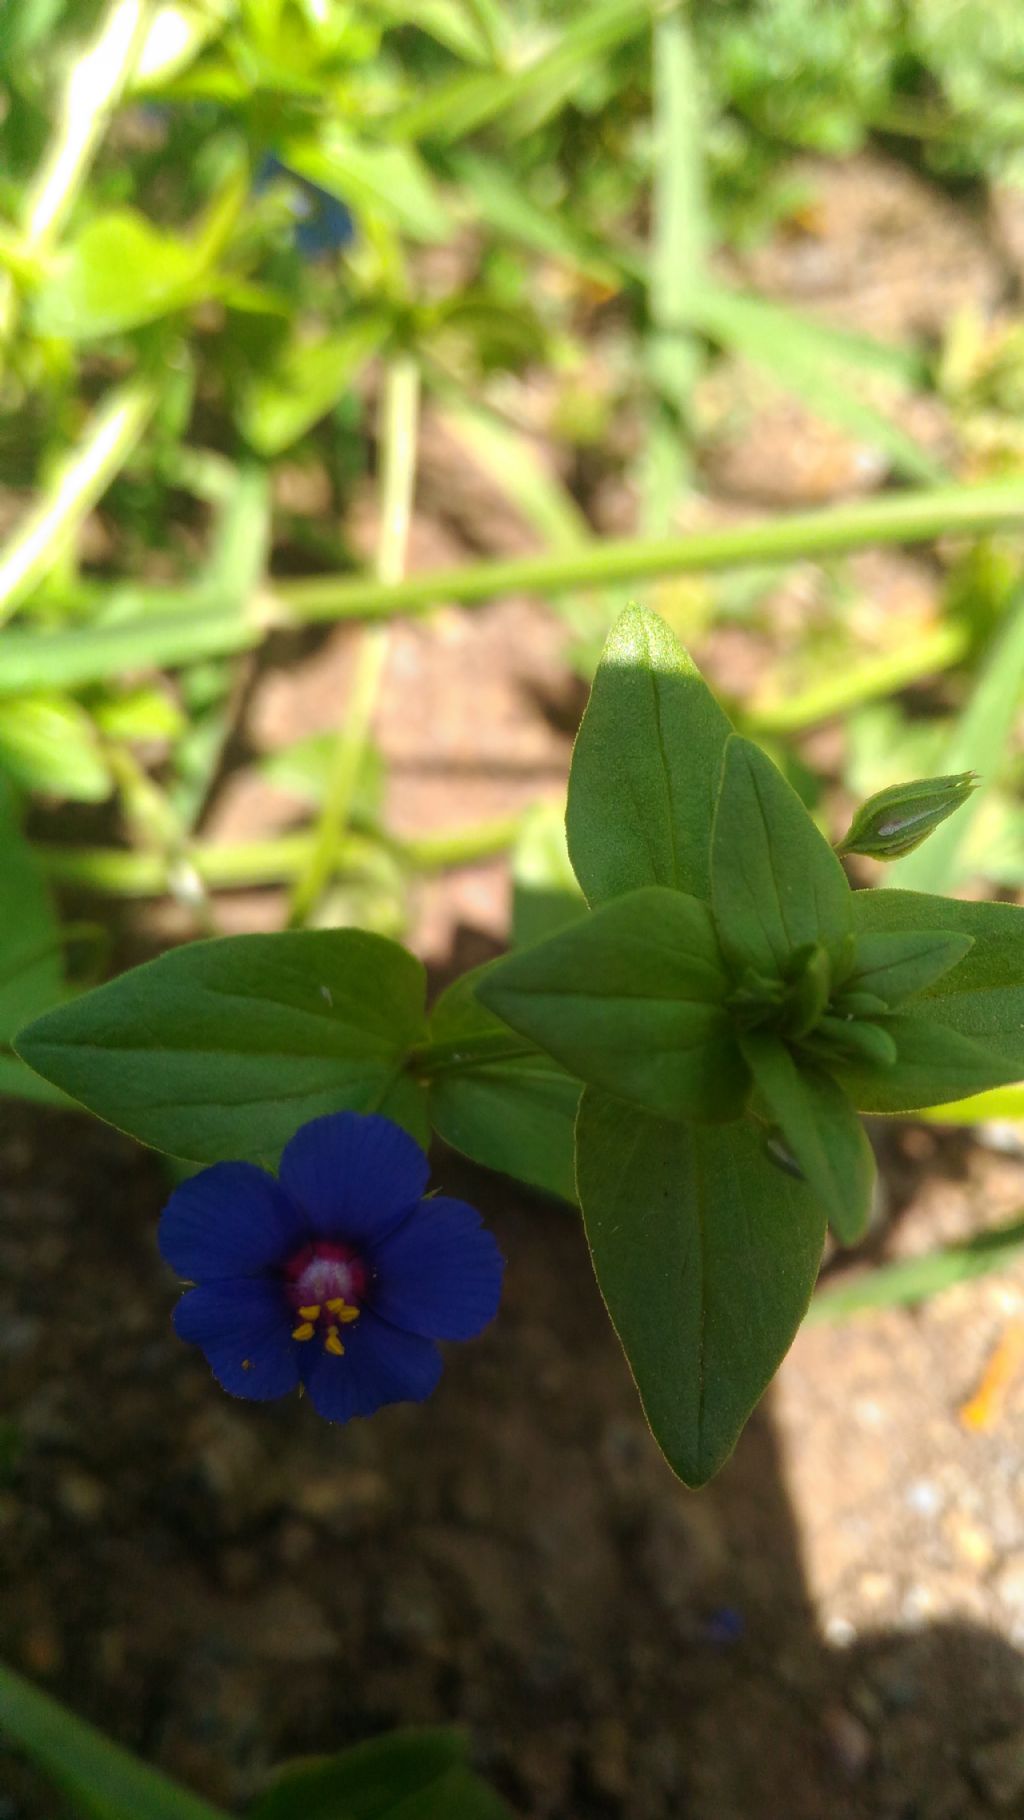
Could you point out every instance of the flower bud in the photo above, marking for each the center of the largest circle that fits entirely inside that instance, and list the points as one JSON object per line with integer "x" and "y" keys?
{"x": 897, "y": 820}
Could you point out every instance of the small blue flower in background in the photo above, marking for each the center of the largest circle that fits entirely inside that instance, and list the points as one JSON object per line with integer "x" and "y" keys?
{"x": 338, "y": 1275}
{"x": 324, "y": 224}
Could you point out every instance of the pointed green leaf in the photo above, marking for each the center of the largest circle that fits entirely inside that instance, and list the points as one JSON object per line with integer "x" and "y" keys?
{"x": 821, "y": 1128}
{"x": 934, "y": 1063}
{"x": 895, "y": 965}
{"x": 982, "y": 997}
{"x": 646, "y": 766}
{"x": 418, "y": 1774}
{"x": 776, "y": 883}
{"x": 222, "y": 1048}
{"x": 706, "y": 1254}
{"x": 515, "y": 1113}
{"x": 630, "y": 999}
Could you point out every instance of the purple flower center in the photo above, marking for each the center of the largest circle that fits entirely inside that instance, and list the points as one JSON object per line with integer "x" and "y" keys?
{"x": 324, "y": 1283}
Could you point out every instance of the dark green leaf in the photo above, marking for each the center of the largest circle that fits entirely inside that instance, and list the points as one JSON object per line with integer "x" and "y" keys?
{"x": 706, "y": 1254}
{"x": 406, "y": 1775}
{"x": 982, "y": 998}
{"x": 776, "y": 883}
{"x": 934, "y": 1063}
{"x": 514, "y": 1113}
{"x": 105, "y": 1781}
{"x": 31, "y": 963}
{"x": 821, "y": 1129}
{"x": 646, "y": 766}
{"x": 220, "y": 1049}
{"x": 894, "y": 966}
{"x": 630, "y": 999}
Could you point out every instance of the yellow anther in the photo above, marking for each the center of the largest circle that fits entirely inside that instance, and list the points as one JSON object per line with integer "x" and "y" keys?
{"x": 332, "y": 1342}
{"x": 336, "y": 1304}
{"x": 342, "y": 1310}
{"x": 312, "y": 1313}
{"x": 305, "y": 1332}
{"x": 349, "y": 1314}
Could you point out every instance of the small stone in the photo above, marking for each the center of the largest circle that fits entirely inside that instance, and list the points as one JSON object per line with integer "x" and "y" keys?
{"x": 1009, "y": 1584}
{"x": 849, "y": 1741}
{"x": 345, "y": 1502}
{"x": 999, "y": 1768}
{"x": 972, "y": 1543}
{"x": 81, "y": 1496}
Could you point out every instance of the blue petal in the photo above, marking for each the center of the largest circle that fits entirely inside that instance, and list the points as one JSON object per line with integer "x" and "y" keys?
{"x": 440, "y": 1274}
{"x": 380, "y": 1365}
{"x": 228, "y": 1221}
{"x": 355, "y": 1176}
{"x": 244, "y": 1327}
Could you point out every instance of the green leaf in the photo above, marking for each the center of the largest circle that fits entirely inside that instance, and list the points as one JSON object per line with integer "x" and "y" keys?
{"x": 405, "y": 1775}
{"x": 545, "y": 895}
{"x": 820, "y": 1127}
{"x": 916, "y": 1279}
{"x": 934, "y": 1063}
{"x": 515, "y": 1113}
{"x": 980, "y": 1000}
{"x": 105, "y": 1781}
{"x": 979, "y": 740}
{"x": 776, "y": 884}
{"x": 49, "y": 744}
{"x": 386, "y": 181}
{"x": 630, "y": 999}
{"x": 646, "y": 767}
{"x": 222, "y": 1048}
{"x": 706, "y": 1254}
{"x": 31, "y": 963}
{"x": 280, "y": 403}
{"x": 894, "y": 965}
{"x": 118, "y": 274}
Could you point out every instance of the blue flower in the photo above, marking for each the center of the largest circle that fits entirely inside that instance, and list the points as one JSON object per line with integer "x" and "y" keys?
{"x": 339, "y": 1275}
{"x": 324, "y": 224}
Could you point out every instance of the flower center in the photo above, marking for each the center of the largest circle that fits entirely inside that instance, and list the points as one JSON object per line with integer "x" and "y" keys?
{"x": 324, "y": 1283}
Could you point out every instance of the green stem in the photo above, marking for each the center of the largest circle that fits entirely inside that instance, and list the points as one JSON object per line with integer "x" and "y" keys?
{"x": 81, "y": 481}
{"x": 92, "y": 91}
{"x": 278, "y": 860}
{"x": 911, "y": 517}
{"x": 398, "y": 439}
{"x": 70, "y": 659}
{"x": 860, "y": 682}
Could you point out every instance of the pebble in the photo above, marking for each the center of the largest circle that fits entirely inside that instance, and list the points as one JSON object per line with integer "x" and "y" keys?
{"x": 848, "y": 1740}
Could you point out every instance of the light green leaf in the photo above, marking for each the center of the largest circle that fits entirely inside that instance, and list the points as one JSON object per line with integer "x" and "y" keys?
{"x": 631, "y": 1000}
{"x": 646, "y": 767}
{"x": 49, "y": 744}
{"x": 105, "y": 1781}
{"x": 515, "y": 1112}
{"x": 222, "y": 1048}
{"x": 912, "y": 1280}
{"x": 280, "y": 403}
{"x": 405, "y": 1775}
{"x": 821, "y": 1129}
{"x": 386, "y": 181}
{"x": 545, "y": 895}
{"x": 706, "y": 1254}
{"x": 776, "y": 883}
{"x": 119, "y": 273}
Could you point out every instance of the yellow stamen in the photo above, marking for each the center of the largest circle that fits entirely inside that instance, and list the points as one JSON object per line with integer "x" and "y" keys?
{"x": 336, "y": 1304}
{"x": 349, "y": 1314}
{"x": 343, "y": 1310}
{"x": 332, "y": 1342}
{"x": 312, "y": 1313}
{"x": 305, "y": 1332}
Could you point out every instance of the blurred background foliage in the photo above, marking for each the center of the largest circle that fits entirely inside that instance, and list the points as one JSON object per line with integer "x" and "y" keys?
{"x": 244, "y": 239}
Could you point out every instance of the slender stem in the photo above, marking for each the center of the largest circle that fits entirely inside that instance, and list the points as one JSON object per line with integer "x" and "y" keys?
{"x": 165, "y": 637}
{"x": 158, "y": 829}
{"x": 277, "y": 860}
{"x": 82, "y": 480}
{"x": 848, "y": 688}
{"x": 398, "y": 440}
{"x": 910, "y": 517}
{"x": 93, "y": 89}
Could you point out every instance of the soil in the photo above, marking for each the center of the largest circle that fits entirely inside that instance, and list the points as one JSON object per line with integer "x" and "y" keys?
{"x": 834, "y": 1628}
